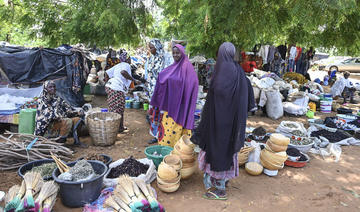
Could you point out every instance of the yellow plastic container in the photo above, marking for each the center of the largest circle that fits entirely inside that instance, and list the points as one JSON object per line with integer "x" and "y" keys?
{"x": 312, "y": 106}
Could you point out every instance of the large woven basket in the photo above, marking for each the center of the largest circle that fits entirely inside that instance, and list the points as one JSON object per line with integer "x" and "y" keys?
{"x": 103, "y": 127}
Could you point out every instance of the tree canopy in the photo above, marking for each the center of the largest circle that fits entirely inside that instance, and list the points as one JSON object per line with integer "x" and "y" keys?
{"x": 205, "y": 24}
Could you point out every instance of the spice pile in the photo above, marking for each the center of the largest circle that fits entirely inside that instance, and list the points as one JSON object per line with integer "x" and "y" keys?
{"x": 333, "y": 137}
{"x": 295, "y": 140}
{"x": 82, "y": 170}
{"x": 45, "y": 170}
{"x": 130, "y": 167}
{"x": 14, "y": 153}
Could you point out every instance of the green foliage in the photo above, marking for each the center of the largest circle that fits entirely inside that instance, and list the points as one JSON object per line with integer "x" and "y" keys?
{"x": 104, "y": 23}
{"x": 319, "y": 23}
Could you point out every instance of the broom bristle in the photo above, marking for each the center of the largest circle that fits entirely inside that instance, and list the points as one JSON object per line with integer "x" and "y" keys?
{"x": 48, "y": 189}
{"x": 121, "y": 203}
{"x": 32, "y": 181}
{"x": 123, "y": 195}
{"x": 12, "y": 193}
{"x": 123, "y": 180}
{"x": 15, "y": 202}
{"x": 111, "y": 203}
{"x": 49, "y": 203}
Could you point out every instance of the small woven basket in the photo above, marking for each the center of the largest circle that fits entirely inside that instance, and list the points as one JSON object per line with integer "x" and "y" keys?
{"x": 243, "y": 155}
{"x": 103, "y": 127}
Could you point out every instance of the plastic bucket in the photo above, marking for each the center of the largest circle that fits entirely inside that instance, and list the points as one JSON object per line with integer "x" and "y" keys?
{"x": 128, "y": 103}
{"x": 27, "y": 121}
{"x": 77, "y": 194}
{"x": 162, "y": 150}
{"x": 146, "y": 106}
{"x": 28, "y": 166}
{"x": 136, "y": 105}
{"x": 325, "y": 106}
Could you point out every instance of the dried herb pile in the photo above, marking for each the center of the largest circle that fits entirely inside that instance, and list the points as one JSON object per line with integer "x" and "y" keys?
{"x": 130, "y": 166}
{"x": 45, "y": 169}
{"x": 333, "y": 137}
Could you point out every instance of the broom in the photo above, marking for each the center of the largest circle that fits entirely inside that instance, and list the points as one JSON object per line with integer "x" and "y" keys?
{"x": 15, "y": 202}
{"x": 11, "y": 193}
{"x": 140, "y": 196}
{"x": 151, "y": 191}
{"x": 121, "y": 203}
{"x": 154, "y": 204}
{"x": 32, "y": 181}
{"x": 125, "y": 182}
{"x": 111, "y": 203}
{"x": 49, "y": 203}
{"x": 48, "y": 189}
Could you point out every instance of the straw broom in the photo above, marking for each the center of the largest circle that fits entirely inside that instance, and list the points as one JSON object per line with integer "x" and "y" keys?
{"x": 11, "y": 193}
{"x": 48, "y": 189}
{"x": 32, "y": 179}
{"x": 15, "y": 202}
{"x": 140, "y": 196}
{"x": 121, "y": 203}
{"x": 122, "y": 195}
{"x": 49, "y": 203}
{"x": 154, "y": 204}
{"x": 126, "y": 183}
{"x": 151, "y": 191}
{"x": 111, "y": 203}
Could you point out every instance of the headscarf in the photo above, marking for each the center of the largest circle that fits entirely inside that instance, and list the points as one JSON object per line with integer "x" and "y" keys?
{"x": 221, "y": 131}
{"x": 123, "y": 56}
{"x": 50, "y": 107}
{"x": 155, "y": 63}
{"x": 176, "y": 91}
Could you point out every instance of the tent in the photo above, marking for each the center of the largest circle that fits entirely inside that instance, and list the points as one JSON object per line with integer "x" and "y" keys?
{"x": 67, "y": 67}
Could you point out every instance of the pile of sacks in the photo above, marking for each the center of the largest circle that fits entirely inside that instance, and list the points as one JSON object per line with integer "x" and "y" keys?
{"x": 273, "y": 156}
{"x": 184, "y": 148}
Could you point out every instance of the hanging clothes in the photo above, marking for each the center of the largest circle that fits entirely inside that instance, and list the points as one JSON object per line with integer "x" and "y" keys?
{"x": 263, "y": 53}
{"x": 282, "y": 50}
{"x": 270, "y": 57}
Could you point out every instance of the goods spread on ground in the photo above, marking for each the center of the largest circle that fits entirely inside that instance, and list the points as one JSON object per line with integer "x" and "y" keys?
{"x": 130, "y": 166}
{"x": 333, "y": 137}
{"x": 18, "y": 149}
{"x": 132, "y": 195}
{"x": 32, "y": 195}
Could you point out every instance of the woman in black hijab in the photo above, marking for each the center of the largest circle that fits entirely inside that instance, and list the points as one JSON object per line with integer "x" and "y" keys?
{"x": 221, "y": 132}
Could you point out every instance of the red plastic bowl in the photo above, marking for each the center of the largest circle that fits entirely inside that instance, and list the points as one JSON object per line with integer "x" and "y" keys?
{"x": 295, "y": 164}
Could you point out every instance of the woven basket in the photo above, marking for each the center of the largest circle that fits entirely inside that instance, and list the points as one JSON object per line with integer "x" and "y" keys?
{"x": 103, "y": 127}
{"x": 243, "y": 155}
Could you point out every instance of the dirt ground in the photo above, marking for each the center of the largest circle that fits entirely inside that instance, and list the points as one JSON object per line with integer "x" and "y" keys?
{"x": 322, "y": 185}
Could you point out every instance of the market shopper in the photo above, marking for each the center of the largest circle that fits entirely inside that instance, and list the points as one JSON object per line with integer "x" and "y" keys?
{"x": 221, "y": 131}
{"x": 118, "y": 85}
{"x": 174, "y": 99}
{"x": 55, "y": 118}
{"x": 157, "y": 61}
{"x": 111, "y": 59}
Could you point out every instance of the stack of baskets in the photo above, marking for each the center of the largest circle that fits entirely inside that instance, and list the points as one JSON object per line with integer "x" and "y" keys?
{"x": 184, "y": 148}
{"x": 103, "y": 127}
{"x": 168, "y": 175}
{"x": 274, "y": 155}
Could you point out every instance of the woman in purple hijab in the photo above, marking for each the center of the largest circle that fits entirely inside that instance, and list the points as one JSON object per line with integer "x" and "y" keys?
{"x": 175, "y": 96}
{"x": 221, "y": 132}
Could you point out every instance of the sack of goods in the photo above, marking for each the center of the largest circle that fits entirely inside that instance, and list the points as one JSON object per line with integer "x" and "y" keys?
{"x": 168, "y": 178}
{"x": 274, "y": 155}
{"x": 184, "y": 148}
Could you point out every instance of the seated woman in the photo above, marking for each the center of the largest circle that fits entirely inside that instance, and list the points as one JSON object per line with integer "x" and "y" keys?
{"x": 174, "y": 99}
{"x": 55, "y": 118}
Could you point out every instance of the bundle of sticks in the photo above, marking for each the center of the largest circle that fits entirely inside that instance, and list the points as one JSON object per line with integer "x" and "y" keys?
{"x": 14, "y": 152}
{"x": 133, "y": 195}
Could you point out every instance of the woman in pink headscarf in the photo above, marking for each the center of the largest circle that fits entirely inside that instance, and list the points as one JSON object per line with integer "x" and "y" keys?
{"x": 175, "y": 98}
